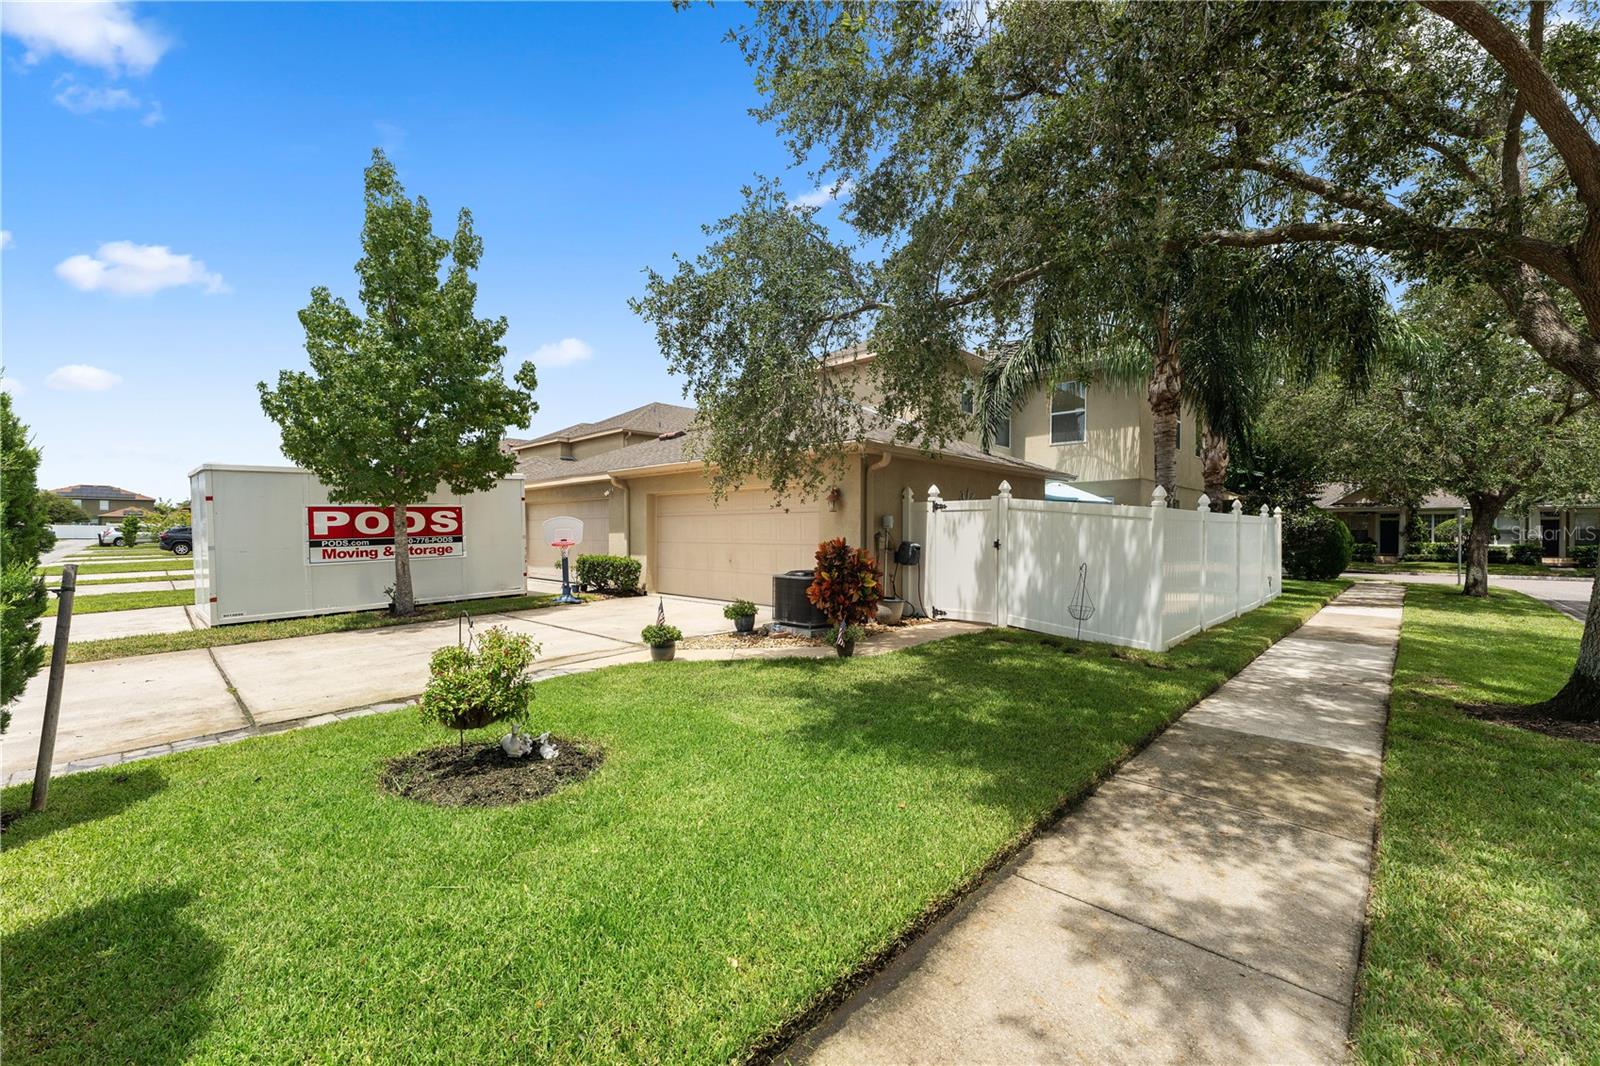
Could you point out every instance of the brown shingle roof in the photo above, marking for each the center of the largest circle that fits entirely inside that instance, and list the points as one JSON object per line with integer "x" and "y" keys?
{"x": 101, "y": 492}
{"x": 674, "y": 450}
{"x": 655, "y": 418}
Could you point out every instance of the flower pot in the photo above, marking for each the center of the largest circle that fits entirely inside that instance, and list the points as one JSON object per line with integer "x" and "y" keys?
{"x": 663, "y": 652}
{"x": 845, "y": 650}
{"x": 890, "y": 610}
{"x": 745, "y": 623}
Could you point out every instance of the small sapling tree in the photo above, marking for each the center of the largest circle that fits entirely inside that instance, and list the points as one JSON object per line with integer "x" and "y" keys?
{"x": 411, "y": 394}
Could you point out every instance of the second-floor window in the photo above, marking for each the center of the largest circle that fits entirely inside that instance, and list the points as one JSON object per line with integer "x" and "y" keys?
{"x": 1069, "y": 411}
{"x": 105, "y": 505}
{"x": 1002, "y": 433}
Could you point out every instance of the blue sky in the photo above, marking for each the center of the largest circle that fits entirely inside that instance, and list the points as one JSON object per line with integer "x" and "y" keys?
{"x": 176, "y": 177}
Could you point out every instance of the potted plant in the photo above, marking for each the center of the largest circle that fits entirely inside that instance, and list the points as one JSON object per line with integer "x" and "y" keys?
{"x": 846, "y": 647}
{"x": 846, "y": 588}
{"x": 663, "y": 640}
{"x": 469, "y": 689}
{"x": 742, "y": 613}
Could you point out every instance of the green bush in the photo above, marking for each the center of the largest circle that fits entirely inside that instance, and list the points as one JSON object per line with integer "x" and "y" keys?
{"x": 1586, "y": 555}
{"x": 609, "y": 573}
{"x": 1528, "y": 551}
{"x": 1445, "y": 532}
{"x": 1499, "y": 553}
{"x": 471, "y": 689}
{"x": 1316, "y": 545}
{"x": 739, "y": 609}
{"x": 658, "y": 635}
{"x": 1364, "y": 551}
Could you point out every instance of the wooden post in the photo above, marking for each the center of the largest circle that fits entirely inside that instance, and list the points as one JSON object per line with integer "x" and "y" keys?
{"x": 52, "y": 698}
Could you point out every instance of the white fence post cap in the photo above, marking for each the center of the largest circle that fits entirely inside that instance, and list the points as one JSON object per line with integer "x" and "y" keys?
{"x": 933, "y": 492}
{"x": 1005, "y": 488}
{"x": 1277, "y": 512}
{"x": 1264, "y": 511}
{"x": 1203, "y": 503}
{"x": 1238, "y": 506}
{"x": 907, "y": 495}
{"x": 1158, "y": 498}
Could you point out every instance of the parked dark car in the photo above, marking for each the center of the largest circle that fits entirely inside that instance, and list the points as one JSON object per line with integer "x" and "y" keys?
{"x": 179, "y": 540}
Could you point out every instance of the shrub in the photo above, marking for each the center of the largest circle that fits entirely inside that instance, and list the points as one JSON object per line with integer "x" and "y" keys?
{"x": 1586, "y": 555}
{"x": 739, "y": 609}
{"x": 1364, "y": 551}
{"x": 1316, "y": 545}
{"x": 1445, "y": 532}
{"x": 1499, "y": 553}
{"x": 1528, "y": 551}
{"x": 130, "y": 530}
{"x": 609, "y": 573}
{"x": 659, "y": 635}
{"x": 847, "y": 584}
{"x": 852, "y": 633}
{"x": 470, "y": 689}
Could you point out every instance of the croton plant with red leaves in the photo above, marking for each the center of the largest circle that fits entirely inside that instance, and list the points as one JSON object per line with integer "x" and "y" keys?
{"x": 847, "y": 585}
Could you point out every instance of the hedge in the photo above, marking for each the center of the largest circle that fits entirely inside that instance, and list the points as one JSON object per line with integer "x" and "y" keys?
{"x": 1316, "y": 545}
{"x": 609, "y": 573}
{"x": 1586, "y": 554}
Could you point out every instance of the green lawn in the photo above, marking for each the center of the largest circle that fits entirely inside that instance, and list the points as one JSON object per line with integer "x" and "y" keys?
{"x": 129, "y": 567}
{"x": 760, "y": 831}
{"x": 89, "y": 651}
{"x": 130, "y": 579}
{"x": 1485, "y": 912}
{"x": 1507, "y": 569}
{"x": 124, "y": 601}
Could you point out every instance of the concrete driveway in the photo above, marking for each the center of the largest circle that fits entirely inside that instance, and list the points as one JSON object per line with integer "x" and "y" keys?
{"x": 118, "y": 706}
{"x": 1569, "y": 595}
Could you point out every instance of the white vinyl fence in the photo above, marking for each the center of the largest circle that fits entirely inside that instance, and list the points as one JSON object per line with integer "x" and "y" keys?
{"x": 1146, "y": 577}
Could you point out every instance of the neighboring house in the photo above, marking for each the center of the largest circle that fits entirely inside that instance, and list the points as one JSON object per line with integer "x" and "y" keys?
{"x": 114, "y": 518}
{"x": 1393, "y": 528}
{"x": 104, "y": 501}
{"x": 619, "y": 431}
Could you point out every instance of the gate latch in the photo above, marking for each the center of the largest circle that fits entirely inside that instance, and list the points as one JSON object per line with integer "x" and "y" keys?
{"x": 937, "y": 506}
{"x": 997, "y": 544}
{"x": 938, "y": 613}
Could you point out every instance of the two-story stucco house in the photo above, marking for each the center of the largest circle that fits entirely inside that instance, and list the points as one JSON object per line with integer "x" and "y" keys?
{"x": 635, "y": 483}
{"x": 106, "y": 504}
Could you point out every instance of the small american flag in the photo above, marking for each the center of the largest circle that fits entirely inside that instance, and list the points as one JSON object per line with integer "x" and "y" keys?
{"x": 661, "y": 612}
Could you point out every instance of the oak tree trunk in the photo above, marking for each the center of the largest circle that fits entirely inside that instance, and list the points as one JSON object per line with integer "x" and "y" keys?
{"x": 1214, "y": 458}
{"x": 1579, "y": 698}
{"x": 1485, "y": 510}
{"x": 405, "y": 601}
{"x": 1166, "y": 384}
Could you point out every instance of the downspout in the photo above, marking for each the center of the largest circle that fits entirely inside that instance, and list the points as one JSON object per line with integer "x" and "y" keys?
{"x": 867, "y": 470}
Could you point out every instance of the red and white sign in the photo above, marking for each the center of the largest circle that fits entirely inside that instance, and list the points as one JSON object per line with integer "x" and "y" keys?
{"x": 360, "y": 533}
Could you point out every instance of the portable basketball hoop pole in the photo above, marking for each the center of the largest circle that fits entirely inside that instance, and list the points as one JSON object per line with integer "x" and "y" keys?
{"x": 564, "y": 532}
{"x": 566, "y": 578}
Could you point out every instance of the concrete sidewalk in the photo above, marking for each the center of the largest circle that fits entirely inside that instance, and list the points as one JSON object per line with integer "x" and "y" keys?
{"x": 1203, "y": 906}
{"x": 120, "y": 710}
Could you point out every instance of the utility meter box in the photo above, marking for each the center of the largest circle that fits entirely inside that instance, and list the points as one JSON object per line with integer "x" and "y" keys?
{"x": 268, "y": 543}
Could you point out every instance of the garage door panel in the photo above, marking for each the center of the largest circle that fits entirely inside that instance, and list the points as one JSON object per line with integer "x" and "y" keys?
{"x": 732, "y": 550}
{"x": 595, "y": 515}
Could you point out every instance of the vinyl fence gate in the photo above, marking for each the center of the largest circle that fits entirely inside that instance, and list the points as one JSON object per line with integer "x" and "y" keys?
{"x": 1144, "y": 577}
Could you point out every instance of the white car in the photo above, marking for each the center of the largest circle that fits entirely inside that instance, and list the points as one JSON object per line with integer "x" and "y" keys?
{"x": 110, "y": 536}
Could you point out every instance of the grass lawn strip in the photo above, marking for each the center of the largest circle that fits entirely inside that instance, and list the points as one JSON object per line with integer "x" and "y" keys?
{"x": 1504, "y": 569}
{"x": 186, "y": 565}
{"x": 251, "y": 632}
{"x": 123, "y": 601}
{"x": 759, "y": 833}
{"x": 1485, "y": 914}
{"x": 129, "y": 579}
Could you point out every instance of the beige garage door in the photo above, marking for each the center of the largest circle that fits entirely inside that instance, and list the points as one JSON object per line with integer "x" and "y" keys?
{"x": 730, "y": 551}
{"x": 595, "y": 515}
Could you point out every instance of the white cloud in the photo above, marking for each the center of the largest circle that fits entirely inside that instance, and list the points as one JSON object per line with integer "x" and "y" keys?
{"x": 103, "y": 35}
{"x": 82, "y": 100}
{"x": 563, "y": 352}
{"x": 79, "y": 377}
{"x": 136, "y": 269}
{"x": 12, "y": 386}
{"x": 5, "y": 238}
{"x": 823, "y": 194}
{"x": 86, "y": 100}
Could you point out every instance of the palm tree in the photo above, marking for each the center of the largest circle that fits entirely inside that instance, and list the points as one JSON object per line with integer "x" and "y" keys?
{"x": 1224, "y": 327}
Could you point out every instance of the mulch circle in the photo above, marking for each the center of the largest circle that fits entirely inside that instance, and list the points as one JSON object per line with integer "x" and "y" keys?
{"x": 482, "y": 775}
{"x": 1533, "y": 721}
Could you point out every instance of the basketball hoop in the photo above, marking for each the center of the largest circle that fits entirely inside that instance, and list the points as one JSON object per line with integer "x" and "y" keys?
{"x": 566, "y": 533}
